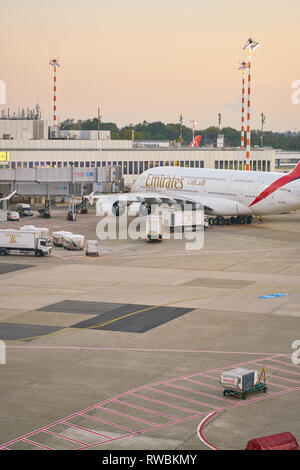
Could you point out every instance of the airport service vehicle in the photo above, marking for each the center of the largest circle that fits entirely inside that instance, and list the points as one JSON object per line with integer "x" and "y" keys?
{"x": 13, "y": 215}
{"x": 239, "y": 382}
{"x": 24, "y": 210}
{"x": 154, "y": 228}
{"x": 41, "y": 232}
{"x": 92, "y": 248}
{"x": 236, "y": 194}
{"x": 184, "y": 220}
{"x": 17, "y": 241}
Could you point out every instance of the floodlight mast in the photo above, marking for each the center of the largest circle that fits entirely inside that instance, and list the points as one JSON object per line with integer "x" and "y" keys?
{"x": 251, "y": 45}
{"x": 243, "y": 68}
{"x": 193, "y": 123}
{"x": 54, "y": 63}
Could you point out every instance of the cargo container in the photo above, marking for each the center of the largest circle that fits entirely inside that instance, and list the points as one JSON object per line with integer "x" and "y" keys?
{"x": 239, "y": 379}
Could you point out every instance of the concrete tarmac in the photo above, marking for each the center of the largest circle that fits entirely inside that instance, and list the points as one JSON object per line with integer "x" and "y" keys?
{"x": 124, "y": 351}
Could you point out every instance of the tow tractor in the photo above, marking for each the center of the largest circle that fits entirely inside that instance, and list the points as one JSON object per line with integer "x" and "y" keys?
{"x": 239, "y": 382}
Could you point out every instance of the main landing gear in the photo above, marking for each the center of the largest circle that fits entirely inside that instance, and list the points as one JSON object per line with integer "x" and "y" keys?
{"x": 240, "y": 219}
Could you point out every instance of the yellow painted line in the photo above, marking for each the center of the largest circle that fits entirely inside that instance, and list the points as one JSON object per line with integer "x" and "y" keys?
{"x": 65, "y": 329}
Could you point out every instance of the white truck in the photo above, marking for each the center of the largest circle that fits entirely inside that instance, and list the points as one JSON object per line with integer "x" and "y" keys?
{"x": 184, "y": 220}
{"x": 154, "y": 228}
{"x": 17, "y": 241}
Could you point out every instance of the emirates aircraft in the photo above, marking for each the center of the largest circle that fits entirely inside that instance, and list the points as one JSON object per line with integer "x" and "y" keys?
{"x": 232, "y": 196}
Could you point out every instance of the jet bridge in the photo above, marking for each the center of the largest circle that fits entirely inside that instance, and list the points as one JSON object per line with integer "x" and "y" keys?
{"x": 68, "y": 182}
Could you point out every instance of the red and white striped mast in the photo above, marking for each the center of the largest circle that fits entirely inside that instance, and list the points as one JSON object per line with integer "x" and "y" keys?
{"x": 243, "y": 68}
{"x": 250, "y": 45}
{"x": 54, "y": 63}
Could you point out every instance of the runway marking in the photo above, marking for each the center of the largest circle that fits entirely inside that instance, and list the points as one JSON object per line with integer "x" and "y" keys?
{"x": 159, "y": 350}
{"x": 200, "y": 432}
{"x": 145, "y": 409}
{"x": 223, "y": 294}
{"x": 120, "y": 400}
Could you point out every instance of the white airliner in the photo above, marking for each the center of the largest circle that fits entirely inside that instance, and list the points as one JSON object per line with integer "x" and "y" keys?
{"x": 234, "y": 193}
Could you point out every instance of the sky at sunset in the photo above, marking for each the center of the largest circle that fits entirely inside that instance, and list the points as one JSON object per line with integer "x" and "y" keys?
{"x": 152, "y": 60}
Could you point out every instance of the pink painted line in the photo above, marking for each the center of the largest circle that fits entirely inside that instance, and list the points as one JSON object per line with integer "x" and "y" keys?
{"x": 85, "y": 429}
{"x": 182, "y": 398}
{"x": 145, "y": 409}
{"x": 199, "y": 414}
{"x": 282, "y": 370}
{"x": 200, "y": 393}
{"x": 140, "y": 388}
{"x": 276, "y": 385}
{"x": 163, "y": 403}
{"x": 64, "y": 437}
{"x": 203, "y": 383}
{"x": 146, "y": 430}
{"x": 68, "y": 417}
{"x": 107, "y": 422}
{"x": 126, "y": 416}
{"x": 285, "y": 363}
{"x": 211, "y": 377}
{"x": 146, "y": 350}
{"x": 268, "y": 382}
{"x": 37, "y": 444}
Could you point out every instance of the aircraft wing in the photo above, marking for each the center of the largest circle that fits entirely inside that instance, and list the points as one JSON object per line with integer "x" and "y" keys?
{"x": 212, "y": 205}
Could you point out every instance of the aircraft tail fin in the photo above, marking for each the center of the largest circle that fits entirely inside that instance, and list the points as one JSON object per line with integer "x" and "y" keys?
{"x": 196, "y": 142}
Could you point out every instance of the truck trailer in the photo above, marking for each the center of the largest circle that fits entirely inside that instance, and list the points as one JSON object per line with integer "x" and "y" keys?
{"x": 17, "y": 241}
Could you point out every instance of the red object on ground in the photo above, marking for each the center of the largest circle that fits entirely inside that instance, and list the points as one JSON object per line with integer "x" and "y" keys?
{"x": 282, "y": 441}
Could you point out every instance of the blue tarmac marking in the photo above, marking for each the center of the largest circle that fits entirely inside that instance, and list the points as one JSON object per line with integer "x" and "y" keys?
{"x": 273, "y": 296}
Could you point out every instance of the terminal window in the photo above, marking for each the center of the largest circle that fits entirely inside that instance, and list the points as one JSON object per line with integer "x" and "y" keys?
{"x": 125, "y": 168}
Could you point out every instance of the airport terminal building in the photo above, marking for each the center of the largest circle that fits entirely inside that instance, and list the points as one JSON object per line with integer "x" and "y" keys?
{"x": 25, "y": 143}
{"x": 91, "y": 149}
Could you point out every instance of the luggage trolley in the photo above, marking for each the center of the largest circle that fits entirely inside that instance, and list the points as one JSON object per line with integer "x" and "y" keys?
{"x": 239, "y": 382}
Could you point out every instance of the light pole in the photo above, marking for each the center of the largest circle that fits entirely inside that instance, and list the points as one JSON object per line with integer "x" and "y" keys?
{"x": 263, "y": 120}
{"x": 251, "y": 45}
{"x": 243, "y": 68}
{"x": 194, "y": 124}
